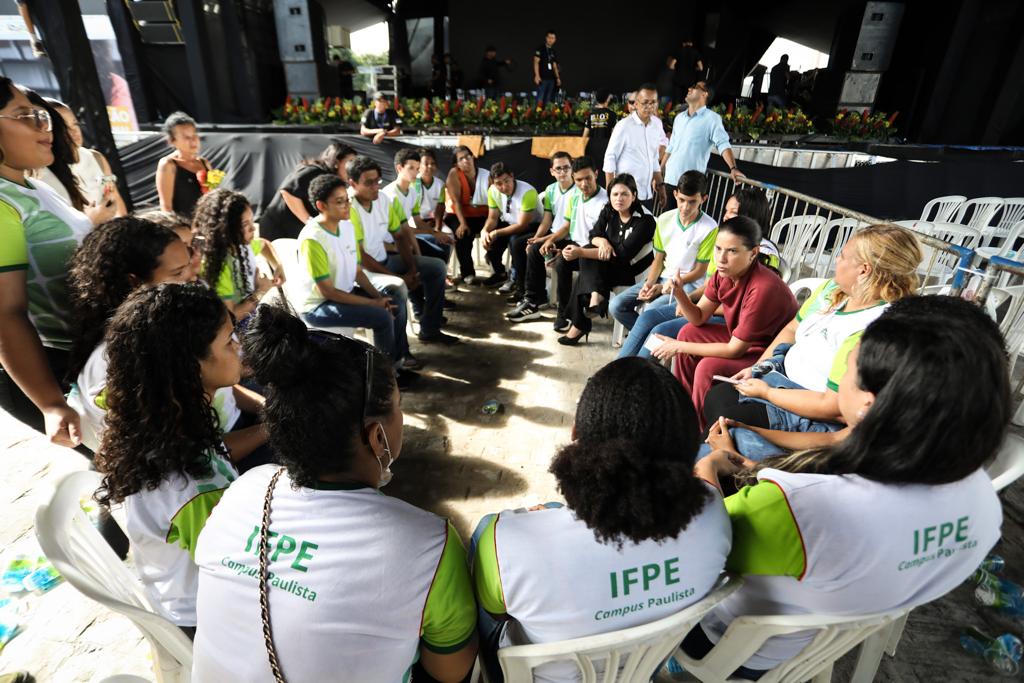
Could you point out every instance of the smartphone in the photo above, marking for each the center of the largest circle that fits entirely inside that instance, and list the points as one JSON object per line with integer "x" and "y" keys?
{"x": 652, "y": 343}
{"x": 723, "y": 378}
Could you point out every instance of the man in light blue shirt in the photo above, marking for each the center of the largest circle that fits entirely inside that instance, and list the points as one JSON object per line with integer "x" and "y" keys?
{"x": 694, "y": 131}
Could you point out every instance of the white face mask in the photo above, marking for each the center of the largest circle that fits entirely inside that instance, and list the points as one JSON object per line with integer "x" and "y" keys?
{"x": 385, "y": 470}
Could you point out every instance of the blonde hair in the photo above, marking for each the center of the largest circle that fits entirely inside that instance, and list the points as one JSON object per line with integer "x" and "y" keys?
{"x": 894, "y": 256}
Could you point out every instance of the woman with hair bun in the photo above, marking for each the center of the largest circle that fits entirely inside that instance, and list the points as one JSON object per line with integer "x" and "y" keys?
{"x": 359, "y": 586}
{"x": 632, "y": 502}
{"x": 177, "y": 182}
{"x": 169, "y": 348}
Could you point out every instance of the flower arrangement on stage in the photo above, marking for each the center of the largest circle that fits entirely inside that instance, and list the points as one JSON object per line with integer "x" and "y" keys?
{"x": 756, "y": 123}
{"x": 861, "y": 125}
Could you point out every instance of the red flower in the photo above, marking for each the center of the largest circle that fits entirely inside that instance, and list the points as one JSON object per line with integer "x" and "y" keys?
{"x": 893, "y": 117}
{"x": 305, "y": 104}
{"x": 480, "y": 102}
{"x": 327, "y": 104}
{"x": 447, "y": 107}
{"x": 287, "y": 100}
{"x": 395, "y": 105}
{"x": 426, "y": 108}
{"x": 757, "y": 113}
{"x": 501, "y": 104}
{"x": 728, "y": 109}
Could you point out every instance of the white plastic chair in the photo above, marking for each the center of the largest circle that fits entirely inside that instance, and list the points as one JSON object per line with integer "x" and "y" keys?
{"x": 618, "y": 331}
{"x": 1009, "y": 239}
{"x": 836, "y": 636}
{"x": 977, "y": 213}
{"x": 822, "y": 261}
{"x": 995, "y": 237}
{"x": 941, "y": 266}
{"x": 943, "y": 208}
{"x": 287, "y": 249}
{"x": 69, "y": 540}
{"x": 800, "y": 232}
{"x": 632, "y": 655}
{"x": 804, "y": 287}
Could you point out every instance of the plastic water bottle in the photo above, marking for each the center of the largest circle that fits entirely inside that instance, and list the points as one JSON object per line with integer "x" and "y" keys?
{"x": 1003, "y": 594}
{"x": 1003, "y": 653}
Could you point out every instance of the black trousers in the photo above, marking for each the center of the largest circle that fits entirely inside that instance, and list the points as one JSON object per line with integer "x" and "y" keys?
{"x": 516, "y": 244}
{"x": 536, "y": 277}
{"x": 595, "y": 276}
{"x": 464, "y": 245}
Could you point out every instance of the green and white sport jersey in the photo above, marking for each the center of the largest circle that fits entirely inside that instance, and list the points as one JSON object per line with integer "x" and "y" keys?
{"x": 582, "y": 213}
{"x": 359, "y": 581}
{"x": 546, "y": 571}
{"x": 555, "y": 201}
{"x": 430, "y": 196}
{"x": 326, "y": 255}
{"x": 226, "y": 284}
{"x": 378, "y": 224}
{"x": 38, "y": 234}
{"x": 821, "y": 332}
{"x": 88, "y": 398}
{"x": 846, "y": 545}
{"x": 409, "y": 201}
{"x": 686, "y": 245}
{"x": 523, "y": 200}
{"x": 163, "y": 528}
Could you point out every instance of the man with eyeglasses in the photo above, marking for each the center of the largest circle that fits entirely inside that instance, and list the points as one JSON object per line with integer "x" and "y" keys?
{"x": 694, "y": 132}
{"x": 512, "y": 211}
{"x": 634, "y": 148}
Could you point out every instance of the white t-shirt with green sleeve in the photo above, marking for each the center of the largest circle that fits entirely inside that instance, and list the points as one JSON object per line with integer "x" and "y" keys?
{"x": 582, "y": 213}
{"x": 358, "y": 581}
{"x": 546, "y": 571}
{"x": 684, "y": 245}
{"x": 408, "y": 200}
{"x": 163, "y": 528}
{"x": 846, "y": 545}
{"x": 237, "y": 280}
{"x": 555, "y": 201}
{"x": 821, "y": 332}
{"x": 326, "y": 255}
{"x": 430, "y": 196}
{"x": 378, "y": 224}
{"x": 522, "y": 200}
{"x": 39, "y": 232}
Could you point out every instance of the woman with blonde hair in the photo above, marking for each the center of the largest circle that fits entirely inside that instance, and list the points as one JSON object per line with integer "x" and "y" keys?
{"x": 793, "y": 385}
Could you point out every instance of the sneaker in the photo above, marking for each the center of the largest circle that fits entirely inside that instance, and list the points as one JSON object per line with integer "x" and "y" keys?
{"x": 440, "y": 337}
{"x": 524, "y": 311}
{"x": 470, "y": 280}
{"x": 508, "y": 287}
{"x": 495, "y": 280}
{"x": 562, "y": 325}
{"x": 546, "y": 306}
{"x": 514, "y": 299}
{"x": 410, "y": 362}
{"x": 406, "y": 378}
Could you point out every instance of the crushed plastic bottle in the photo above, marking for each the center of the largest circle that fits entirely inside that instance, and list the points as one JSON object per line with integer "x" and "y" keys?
{"x": 43, "y": 578}
{"x": 491, "y": 407}
{"x": 995, "y": 591}
{"x": 18, "y": 567}
{"x": 1003, "y": 653}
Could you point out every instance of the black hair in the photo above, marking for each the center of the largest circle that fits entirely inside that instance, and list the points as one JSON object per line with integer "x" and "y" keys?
{"x": 427, "y": 152}
{"x": 406, "y": 155}
{"x": 358, "y": 165}
{"x": 159, "y": 421}
{"x": 322, "y": 187}
{"x": 647, "y": 86}
{"x": 629, "y": 473}
{"x": 499, "y": 169}
{"x": 65, "y": 152}
{"x": 178, "y": 118}
{"x": 550, "y": 32}
{"x": 490, "y": 48}
{"x": 937, "y": 367}
{"x": 168, "y": 219}
{"x": 459, "y": 149}
{"x": 560, "y": 155}
{"x": 6, "y": 85}
{"x": 745, "y": 228}
{"x": 583, "y": 163}
{"x": 100, "y": 277}
{"x": 330, "y": 158}
{"x": 754, "y": 204}
{"x": 602, "y": 95}
{"x": 314, "y": 392}
{"x": 630, "y": 182}
{"x": 692, "y": 183}
{"x": 218, "y": 220}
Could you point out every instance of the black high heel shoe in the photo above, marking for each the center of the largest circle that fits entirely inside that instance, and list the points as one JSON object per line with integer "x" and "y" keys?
{"x": 566, "y": 340}
{"x": 598, "y": 311}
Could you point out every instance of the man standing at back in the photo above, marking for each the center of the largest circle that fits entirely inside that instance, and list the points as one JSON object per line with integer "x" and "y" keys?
{"x": 694, "y": 131}
{"x": 634, "y": 148}
{"x": 546, "y": 75}
{"x": 778, "y": 85}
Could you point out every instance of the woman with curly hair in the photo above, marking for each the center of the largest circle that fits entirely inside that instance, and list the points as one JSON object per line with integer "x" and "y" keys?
{"x": 899, "y": 512}
{"x": 638, "y": 528}
{"x": 170, "y": 348}
{"x": 362, "y": 583}
{"x": 112, "y": 262}
{"x": 223, "y": 220}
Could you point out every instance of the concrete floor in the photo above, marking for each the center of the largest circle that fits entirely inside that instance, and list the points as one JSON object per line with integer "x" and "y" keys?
{"x": 458, "y": 462}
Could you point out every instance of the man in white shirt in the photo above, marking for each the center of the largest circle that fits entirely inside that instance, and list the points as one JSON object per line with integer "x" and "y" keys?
{"x": 634, "y": 148}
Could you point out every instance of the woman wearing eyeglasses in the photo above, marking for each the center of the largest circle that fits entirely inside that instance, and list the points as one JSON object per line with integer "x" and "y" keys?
{"x": 466, "y": 206}
{"x": 349, "y": 583}
{"x": 38, "y": 233}
{"x": 170, "y": 349}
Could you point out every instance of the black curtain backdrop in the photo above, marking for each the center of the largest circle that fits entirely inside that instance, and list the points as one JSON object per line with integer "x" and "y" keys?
{"x": 256, "y": 163}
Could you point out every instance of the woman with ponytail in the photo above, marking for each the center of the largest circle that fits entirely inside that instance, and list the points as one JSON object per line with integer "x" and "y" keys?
{"x": 632, "y": 502}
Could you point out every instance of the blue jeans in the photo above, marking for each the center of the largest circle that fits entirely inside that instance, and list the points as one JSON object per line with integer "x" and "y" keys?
{"x": 545, "y": 91}
{"x": 388, "y": 330}
{"x": 640, "y": 325}
{"x": 670, "y": 328}
{"x": 432, "y": 274}
{"x": 429, "y": 246}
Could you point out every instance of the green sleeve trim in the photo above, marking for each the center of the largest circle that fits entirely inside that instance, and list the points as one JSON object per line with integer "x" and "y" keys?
{"x": 570, "y": 209}
{"x": 396, "y": 216}
{"x": 314, "y": 260}
{"x": 529, "y": 201}
{"x": 818, "y": 300}
{"x": 840, "y": 361}
{"x": 706, "y": 250}
{"x": 225, "y": 286}
{"x": 486, "y": 572}
{"x": 449, "y": 615}
{"x": 13, "y": 245}
{"x": 492, "y": 200}
{"x": 766, "y": 538}
{"x": 257, "y": 246}
{"x": 547, "y": 203}
{"x": 190, "y": 520}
